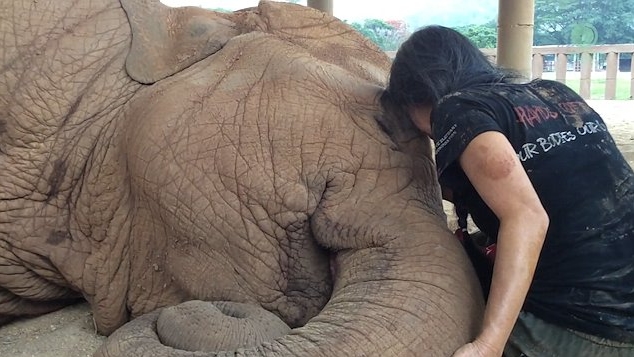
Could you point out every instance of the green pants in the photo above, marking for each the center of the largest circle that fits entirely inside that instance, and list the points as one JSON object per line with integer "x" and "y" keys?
{"x": 533, "y": 337}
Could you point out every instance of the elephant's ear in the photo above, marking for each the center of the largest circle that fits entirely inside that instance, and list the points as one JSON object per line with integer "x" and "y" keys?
{"x": 166, "y": 40}
{"x": 395, "y": 122}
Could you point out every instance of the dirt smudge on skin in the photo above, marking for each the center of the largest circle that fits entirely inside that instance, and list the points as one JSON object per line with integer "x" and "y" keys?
{"x": 3, "y": 130}
{"x": 73, "y": 108}
{"x": 56, "y": 178}
{"x": 57, "y": 237}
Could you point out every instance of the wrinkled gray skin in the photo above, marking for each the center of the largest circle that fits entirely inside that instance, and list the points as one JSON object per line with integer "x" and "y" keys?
{"x": 151, "y": 156}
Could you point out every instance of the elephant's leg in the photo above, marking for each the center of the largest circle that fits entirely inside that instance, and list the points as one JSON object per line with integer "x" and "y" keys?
{"x": 23, "y": 289}
{"x": 13, "y": 306}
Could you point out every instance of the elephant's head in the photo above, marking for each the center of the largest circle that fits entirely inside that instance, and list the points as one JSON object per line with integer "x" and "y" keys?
{"x": 250, "y": 177}
{"x": 166, "y": 40}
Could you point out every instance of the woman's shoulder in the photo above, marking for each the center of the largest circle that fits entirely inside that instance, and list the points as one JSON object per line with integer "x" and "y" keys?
{"x": 471, "y": 94}
{"x": 549, "y": 84}
{"x": 478, "y": 96}
{"x": 554, "y": 91}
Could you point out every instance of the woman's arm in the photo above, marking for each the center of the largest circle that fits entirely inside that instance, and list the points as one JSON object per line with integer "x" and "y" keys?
{"x": 493, "y": 168}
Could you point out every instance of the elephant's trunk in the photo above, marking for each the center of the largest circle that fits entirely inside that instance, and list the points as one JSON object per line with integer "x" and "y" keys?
{"x": 413, "y": 296}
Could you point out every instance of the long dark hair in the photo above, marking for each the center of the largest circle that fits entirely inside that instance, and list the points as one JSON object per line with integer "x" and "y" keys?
{"x": 433, "y": 62}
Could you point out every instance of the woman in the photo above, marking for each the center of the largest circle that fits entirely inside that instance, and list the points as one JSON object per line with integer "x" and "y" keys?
{"x": 537, "y": 168}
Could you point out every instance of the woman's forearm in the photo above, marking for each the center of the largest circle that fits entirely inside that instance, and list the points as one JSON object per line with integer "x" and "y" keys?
{"x": 520, "y": 240}
{"x": 492, "y": 166}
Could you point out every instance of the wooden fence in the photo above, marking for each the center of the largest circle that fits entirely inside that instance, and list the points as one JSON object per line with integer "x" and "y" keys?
{"x": 609, "y": 62}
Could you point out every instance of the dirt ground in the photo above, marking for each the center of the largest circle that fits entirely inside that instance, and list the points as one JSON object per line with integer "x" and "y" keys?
{"x": 70, "y": 331}
{"x": 619, "y": 117}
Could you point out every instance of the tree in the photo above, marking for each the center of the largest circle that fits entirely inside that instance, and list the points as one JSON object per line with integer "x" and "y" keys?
{"x": 387, "y": 35}
{"x": 483, "y": 36}
{"x": 220, "y": 9}
{"x": 557, "y": 20}
{"x": 401, "y": 29}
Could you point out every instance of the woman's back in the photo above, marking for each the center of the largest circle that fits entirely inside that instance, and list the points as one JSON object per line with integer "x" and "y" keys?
{"x": 585, "y": 276}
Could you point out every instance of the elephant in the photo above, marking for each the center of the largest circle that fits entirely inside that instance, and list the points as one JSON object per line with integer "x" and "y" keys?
{"x": 194, "y": 174}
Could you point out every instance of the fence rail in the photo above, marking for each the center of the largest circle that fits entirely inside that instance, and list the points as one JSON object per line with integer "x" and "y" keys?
{"x": 608, "y": 62}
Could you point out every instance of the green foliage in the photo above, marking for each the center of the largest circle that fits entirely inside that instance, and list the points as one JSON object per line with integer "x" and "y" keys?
{"x": 387, "y": 35}
{"x": 483, "y": 36}
{"x": 219, "y": 9}
{"x": 556, "y": 19}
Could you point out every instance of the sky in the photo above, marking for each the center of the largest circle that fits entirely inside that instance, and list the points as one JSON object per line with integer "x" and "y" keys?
{"x": 420, "y": 12}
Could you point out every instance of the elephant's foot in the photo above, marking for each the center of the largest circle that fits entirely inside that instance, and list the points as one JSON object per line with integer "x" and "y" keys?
{"x": 195, "y": 326}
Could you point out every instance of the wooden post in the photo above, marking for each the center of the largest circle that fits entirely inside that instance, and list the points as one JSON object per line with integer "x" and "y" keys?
{"x": 538, "y": 66}
{"x": 612, "y": 63}
{"x": 561, "y": 67}
{"x": 586, "y": 73}
{"x": 632, "y": 77}
{"x": 515, "y": 35}
{"x": 323, "y": 5}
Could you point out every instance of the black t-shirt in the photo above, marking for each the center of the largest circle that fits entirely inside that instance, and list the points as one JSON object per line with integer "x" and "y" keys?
{"x": 585, "y": 274}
